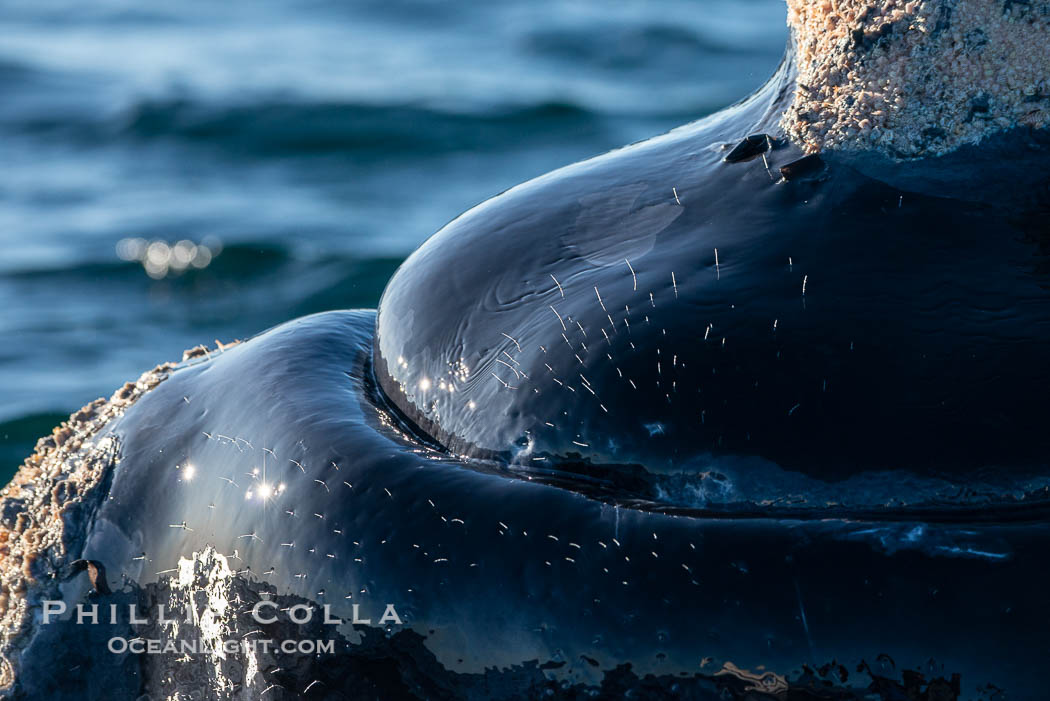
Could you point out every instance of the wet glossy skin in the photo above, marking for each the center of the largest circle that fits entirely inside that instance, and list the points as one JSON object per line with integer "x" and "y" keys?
{"x": 497, "y": 570}
{"x": 844, "y": 327}
{"x": 856, "y": 470}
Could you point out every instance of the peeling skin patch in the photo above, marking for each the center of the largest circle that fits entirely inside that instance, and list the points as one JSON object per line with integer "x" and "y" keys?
{"x": 916, "y": 78}
{"x": 45, "y": 506}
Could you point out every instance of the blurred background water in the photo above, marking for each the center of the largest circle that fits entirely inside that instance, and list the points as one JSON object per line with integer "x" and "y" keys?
{"x": 298, "y": 150}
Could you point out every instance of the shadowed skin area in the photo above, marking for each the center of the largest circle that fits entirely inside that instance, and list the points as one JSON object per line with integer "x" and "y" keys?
{"x": 573, "y": 437}
{"x": 497, "y": 571}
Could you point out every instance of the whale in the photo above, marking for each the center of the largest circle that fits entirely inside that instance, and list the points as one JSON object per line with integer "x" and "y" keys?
{"x": 752, "y": 409}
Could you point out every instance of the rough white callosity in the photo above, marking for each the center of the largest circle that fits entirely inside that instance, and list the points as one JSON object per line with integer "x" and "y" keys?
{"x": 918, "y": 77}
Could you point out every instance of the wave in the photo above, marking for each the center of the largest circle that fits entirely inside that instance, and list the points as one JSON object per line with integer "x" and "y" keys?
{"x": 277, "y": 127}
{"x": 281, "y": 127}
{"x": 649, "y": 47}
{"x": 238, "y": 274}
{"x": 14, "y": 71}
{"x": 291, "y": 127}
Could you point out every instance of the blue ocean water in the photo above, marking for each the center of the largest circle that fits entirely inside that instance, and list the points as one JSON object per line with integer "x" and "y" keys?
{"x": 298, "y": 151}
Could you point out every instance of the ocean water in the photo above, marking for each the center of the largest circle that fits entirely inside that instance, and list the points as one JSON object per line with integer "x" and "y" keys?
{"x": 298, "y": 151}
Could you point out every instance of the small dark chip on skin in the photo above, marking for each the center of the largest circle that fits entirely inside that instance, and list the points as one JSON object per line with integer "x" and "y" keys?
{"x": 96, "y": 573}
{"x": 749, "y": 148}
{"x": 802, "y": 167}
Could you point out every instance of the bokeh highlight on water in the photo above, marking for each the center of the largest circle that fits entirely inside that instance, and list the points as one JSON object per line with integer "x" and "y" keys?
{"x": 285, "y": 157}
